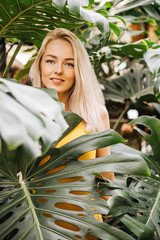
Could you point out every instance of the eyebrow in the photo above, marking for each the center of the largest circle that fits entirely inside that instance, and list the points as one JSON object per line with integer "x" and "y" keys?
{"x": 53, "y": 56}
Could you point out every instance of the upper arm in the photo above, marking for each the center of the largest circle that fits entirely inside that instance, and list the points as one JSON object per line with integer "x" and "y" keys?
{"x": 105, "y": 151}
{"x": 106, "y": 125}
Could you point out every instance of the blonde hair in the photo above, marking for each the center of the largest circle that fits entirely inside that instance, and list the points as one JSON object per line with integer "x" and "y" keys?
{"x": 85, "y": 98}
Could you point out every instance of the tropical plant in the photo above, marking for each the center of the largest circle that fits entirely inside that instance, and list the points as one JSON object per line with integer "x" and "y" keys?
{"x": 138, "y": 200}
{"x": 28, "y": 22}
{"x": 37, "y": 195}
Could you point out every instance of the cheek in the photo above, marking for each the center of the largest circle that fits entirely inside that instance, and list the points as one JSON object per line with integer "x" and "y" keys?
{"x": 72, "y": 75}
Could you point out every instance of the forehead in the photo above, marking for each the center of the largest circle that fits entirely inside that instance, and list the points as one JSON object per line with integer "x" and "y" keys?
{"x": 59, "y": 47}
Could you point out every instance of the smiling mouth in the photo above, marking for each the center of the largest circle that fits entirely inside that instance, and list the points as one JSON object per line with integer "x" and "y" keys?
{"x": 57, "y": 80}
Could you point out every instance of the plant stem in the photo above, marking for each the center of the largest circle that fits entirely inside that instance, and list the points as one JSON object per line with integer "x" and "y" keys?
{"x": 8, "y": 67}
{"x": 32, "y": 209}
{"x": 128, "y": 103}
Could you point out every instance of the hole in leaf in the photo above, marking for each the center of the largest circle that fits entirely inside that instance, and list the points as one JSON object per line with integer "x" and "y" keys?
{"x": 43, "y": 161}
{"x": 4, "y": 218}
{"x": 32, "y": 179}
{"x": 67, "y": 225}
{"x": 135, "y": 200}
{"x": 68, "y": 159}
{"x": 68, "y": 206}
{"x": 139, "y": 214}
{"x": 50, "y": 191}
{"x": 13, "y": 196}
{"x": 98, "y": 190}
{"x": 1, "y": 203}
{"x": 47, "y": 215}
{"x": 143, "y": 199}
{"x": 54, "y": 170}
{"x": 70, "y": 179}
{"x": 32, "y": 191}
{"x": 98, "y": 216}
{"x": 19, "y": 205}
{"x": 11, "y": 234}
{"x": 42, "y": 183}
{"x": 78, "y": 237}
{"x": 22, "y": 219}
{"x": 91, "y": 237}
{"x": 42, "y": 200}
{"x": 80, "y": 192}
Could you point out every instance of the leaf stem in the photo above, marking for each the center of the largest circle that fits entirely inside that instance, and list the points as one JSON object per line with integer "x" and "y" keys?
{"x": 8, "y": 67}
{"x": 128, "y": 103}
{"x": 27, "y": 195}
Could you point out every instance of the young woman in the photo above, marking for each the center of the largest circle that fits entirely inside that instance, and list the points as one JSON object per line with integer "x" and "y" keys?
{"x": 63, "y": 64}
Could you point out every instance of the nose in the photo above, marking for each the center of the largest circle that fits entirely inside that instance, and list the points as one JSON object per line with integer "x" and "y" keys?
{"x": 58, "y": 69}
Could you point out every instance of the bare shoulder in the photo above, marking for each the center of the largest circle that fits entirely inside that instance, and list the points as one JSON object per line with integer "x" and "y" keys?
{"x": 104, "y": 117}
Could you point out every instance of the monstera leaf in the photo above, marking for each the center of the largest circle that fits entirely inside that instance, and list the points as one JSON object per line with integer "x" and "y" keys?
{"x": 29, "y": 21}
{"x": 30, "y": 121}
{"x": 141, "y": 198}
{"x": 151, "y": 56}
{"x": 58, "y": 197}
{"x": 132, "y": 83}
{"x": 126, "y": 5}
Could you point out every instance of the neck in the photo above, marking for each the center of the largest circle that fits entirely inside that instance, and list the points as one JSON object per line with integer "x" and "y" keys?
{"x": 63, "y": 98}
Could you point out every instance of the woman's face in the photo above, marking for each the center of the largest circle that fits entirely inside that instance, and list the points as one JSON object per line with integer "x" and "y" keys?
{"x": 57, "y": 66}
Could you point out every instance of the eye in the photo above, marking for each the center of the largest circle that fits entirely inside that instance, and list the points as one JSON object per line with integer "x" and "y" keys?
{"x": 50, "y": 61}
{"x": 69, "y": 64}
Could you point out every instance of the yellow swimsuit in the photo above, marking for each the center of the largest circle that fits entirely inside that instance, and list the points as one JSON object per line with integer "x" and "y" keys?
{"x": 78, "y": 131}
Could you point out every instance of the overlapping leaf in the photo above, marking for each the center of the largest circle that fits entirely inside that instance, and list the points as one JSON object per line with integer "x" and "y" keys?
{"x": 132, "y": 83}
{"x": 152, "y": 138}
{"x": 76, "y": 7}
{"x": 27, "y": 117}
{"x": 125, "y": 5}
{"x": 29, "y": 21}
{"x": 58, "y": 199}
{"x": 152, "y": 56}
{"x": 142, "y": 198}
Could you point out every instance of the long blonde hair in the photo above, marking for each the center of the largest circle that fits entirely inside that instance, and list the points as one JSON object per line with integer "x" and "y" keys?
{"x": 85, "y": 98}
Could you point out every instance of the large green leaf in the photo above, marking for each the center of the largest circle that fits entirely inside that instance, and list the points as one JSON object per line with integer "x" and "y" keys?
{"x": 153, "y": 138}
{"x": 140, "y": 196}
{"x": 125, "y": 5}
{"x": 40, "y": 204}
{"x": 76, "y": 7}
{"x": 152, "y": 57}
{"x": 30, "y": 122}
{"x": 140, "y": 200}
{"x": 136, "y": 49}
{"x": 30, "y": 20}
{"x": 132, "y": 83}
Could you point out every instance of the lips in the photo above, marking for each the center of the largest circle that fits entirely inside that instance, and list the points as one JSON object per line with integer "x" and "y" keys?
{"x": 56, "y": 80}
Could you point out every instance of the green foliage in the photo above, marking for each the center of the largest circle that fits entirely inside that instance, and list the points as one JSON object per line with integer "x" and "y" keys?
{"x": 26, "y": 124}
{"x": 130, "y": 84}
{"x": 152, "y": 56}
{"x": 137, "y": 202}
{"x": 29, "y": 21}
{"x": 57, "y": 195}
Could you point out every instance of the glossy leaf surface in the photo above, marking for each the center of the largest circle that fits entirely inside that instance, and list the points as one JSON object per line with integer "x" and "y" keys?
{"x": 138, "y": 201}
{"x": 132, "y": 83}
